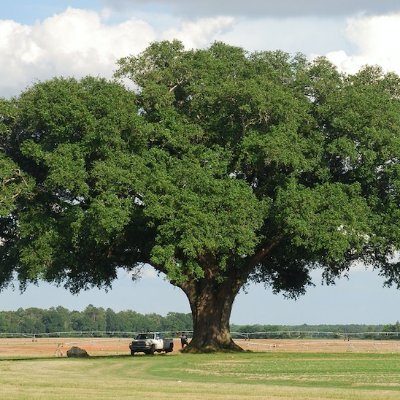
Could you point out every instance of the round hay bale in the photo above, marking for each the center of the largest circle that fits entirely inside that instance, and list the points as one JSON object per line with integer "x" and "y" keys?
{"x": 75, "y": 351}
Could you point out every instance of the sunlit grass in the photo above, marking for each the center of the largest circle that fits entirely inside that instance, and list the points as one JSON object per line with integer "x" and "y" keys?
{"x": 208, "y": 376}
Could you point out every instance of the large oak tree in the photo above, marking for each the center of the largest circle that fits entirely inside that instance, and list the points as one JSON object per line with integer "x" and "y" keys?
{"x": 220, "y": 168}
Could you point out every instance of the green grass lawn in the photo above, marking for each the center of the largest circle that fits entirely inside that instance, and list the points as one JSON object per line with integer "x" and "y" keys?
{"x": 208, "y": 376}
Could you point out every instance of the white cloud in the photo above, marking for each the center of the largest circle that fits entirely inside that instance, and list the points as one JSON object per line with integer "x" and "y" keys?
{"x": 303, "y": 34}
{"x": 194, "y": 34}
{"x": 146, "y": 271}
{"x": 73, "y": 43}
{"x": 376, "y": 41}
{"x": 149, "y": 272}
{"x": 79, "y": 42}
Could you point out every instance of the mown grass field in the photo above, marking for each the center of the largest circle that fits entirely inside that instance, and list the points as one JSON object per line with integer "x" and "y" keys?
{"x": 278, "y": 375}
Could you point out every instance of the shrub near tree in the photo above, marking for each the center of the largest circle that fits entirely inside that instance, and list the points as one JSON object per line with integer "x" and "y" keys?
{"x": 225, "y": 167}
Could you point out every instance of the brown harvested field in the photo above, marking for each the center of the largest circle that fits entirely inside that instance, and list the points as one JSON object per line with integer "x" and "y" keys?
{"x": 57, "y": 347}
{"x": 322, "y": 345}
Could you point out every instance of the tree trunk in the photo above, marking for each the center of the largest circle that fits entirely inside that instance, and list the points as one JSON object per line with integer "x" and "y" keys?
{"x": 211, "y": 305}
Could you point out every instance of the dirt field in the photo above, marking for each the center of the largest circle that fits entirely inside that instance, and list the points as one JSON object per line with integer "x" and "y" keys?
{"x": 57, "y": 347}
{"x": 322, "y": 345}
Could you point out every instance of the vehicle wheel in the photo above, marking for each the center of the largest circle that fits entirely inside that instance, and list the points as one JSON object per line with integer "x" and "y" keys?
{"x": 152, "y": 349}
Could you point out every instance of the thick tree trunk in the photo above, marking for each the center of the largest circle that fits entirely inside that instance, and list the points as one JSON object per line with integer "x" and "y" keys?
{"x": 211, "y": 299}
{"x": 211, "y": 305}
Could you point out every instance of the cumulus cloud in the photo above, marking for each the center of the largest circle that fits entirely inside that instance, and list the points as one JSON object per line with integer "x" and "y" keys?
{"x": 194, "y": 34}
{"x": 79, "y": 42}
{"x": 73, "y": 43}
{"x": 308, "y": 35}
{"x": 375, "y": 39}
{"x": 260, "y": 8}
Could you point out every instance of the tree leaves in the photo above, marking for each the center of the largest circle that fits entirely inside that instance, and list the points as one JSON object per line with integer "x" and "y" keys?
{"x": 14, "y": 183}
{"x": 221, "y": 162}
{"x": 330, "y": 221}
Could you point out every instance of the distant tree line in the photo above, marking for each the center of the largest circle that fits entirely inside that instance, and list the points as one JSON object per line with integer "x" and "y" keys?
{"x": 60, "y": 319}
{"x": 360, "y": 331}
{"x": 337, "y": 328}
{"x": 98, "y": 319}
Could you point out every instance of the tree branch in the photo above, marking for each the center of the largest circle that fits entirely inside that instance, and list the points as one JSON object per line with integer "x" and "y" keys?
{"x": 261, "y": 253}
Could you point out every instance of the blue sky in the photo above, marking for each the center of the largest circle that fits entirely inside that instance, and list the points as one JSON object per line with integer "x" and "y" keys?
{"x": 41, "y": 39}
{"x": 29, "y": 12}
{"x": 360, "y": 299}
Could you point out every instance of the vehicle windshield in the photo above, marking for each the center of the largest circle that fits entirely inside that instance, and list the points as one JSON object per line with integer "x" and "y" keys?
{"x": 142, "y": 336}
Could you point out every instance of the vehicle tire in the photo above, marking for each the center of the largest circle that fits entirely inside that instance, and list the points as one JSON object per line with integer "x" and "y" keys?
{"x": 152, "y": 349}
{"x": 132, "y": 353}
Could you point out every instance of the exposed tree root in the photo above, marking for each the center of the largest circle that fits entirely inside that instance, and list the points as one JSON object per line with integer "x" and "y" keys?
{"x": 231, "y": 347}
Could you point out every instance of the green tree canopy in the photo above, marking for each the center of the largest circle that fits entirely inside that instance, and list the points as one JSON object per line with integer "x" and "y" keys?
{"x": 224, "y": 167}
